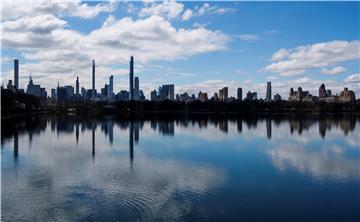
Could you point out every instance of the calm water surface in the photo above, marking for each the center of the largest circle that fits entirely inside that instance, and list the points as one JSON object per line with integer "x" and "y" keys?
{"x": 207, "y": 169}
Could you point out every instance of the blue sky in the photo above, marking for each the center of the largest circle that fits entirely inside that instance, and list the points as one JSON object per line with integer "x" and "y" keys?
{"x": 195, "y": 45}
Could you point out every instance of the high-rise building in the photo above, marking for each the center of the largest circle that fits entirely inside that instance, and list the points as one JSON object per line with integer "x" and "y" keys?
{"x": 136, "y": 89}
{"x": 202, "y": 97}
{"x": 53, "y": 94}
{"x": 104, "y": 91}
{"x": 111, "y": 87}
{"x": 223, "y": 94}
{"x": 77, "y": 85}
{"x": 35, "y": 90}
{"x": 277, "y": 97}
{"x": 83, "y": 92}
{"x": 122, "y": 95}
{"x": 10, "y": 84}
{"x": 347, "y": 96}
{"x": 70, "y": 91}
{"x": 167, "y": 92}
{"x": 268, "y": 92}
{"x": 153, "y": 95}
{"x": 239, "y": 94}
{"x": 93, "y": 80}
{"x": 251, "y": 95}
{"x": 299, "y": 95}
{"x": 216, "y": 96}
{"x": 131, "y": 78}
{"x": 62, "y": 94}
{"x": 16, "y": 73}
{"x": 322, "y": 91}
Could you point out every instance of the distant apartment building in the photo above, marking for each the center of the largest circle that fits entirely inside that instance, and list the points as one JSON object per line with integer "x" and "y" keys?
{"x": 153, "y": 95}
{"x": 62, "y": 94}
{"x": 83, "y": 92}
{"x": 165, "y": 92}
{"x": 216, "y": 96}
{"x": 202, "y": 97}
{"x": 239, "y": 94}
{"x": 70, "y": 91}
{"x": 53, "y": 94}
{"x": 347, "y": 96}
{"x": 277, "y": 97}
{"x": 184, "y": 97}
{"x": 251, "y": 96}
{"x": 122, "y": 95}
{"x": 35, "y": 90}
{"x": 300, "y": 95}
{"x": 223, "y": 94}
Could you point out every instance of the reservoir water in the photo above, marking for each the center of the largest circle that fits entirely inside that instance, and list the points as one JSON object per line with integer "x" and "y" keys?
{"x": 67, "y": 168}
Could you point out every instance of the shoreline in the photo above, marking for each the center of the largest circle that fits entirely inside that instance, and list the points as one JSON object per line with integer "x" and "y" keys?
{"x": 169, "y": 113}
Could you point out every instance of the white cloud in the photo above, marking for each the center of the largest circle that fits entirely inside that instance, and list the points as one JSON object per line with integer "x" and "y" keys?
{"x": 335, "y": 70}
{"x": 187, "y": 15}
{"x": 354, "y": 78}
{"x": 13, "y": 10}
{"x": 272, "y": 78}
{"x": 168, "y": 8}
{"x": 323, "y": 162}
{"x": 314, "y": 56}
{"x": 38, "y": 24}
{"x": 279, "y": 55}
{"x": 206, "y": 8}
{"x": 171, "y": 9}
{"x": 293, "y": 72}
{"x": 248, "y": 37}
{"x": 64, "y": 51}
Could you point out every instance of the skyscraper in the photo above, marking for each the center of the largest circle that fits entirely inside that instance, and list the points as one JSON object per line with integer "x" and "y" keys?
{"x": 239, "y": 94}
{"x": 93, "y": 79}
{"x": 131, "y": 78}
{"x": 322, "y": 91}
{"x": 268, "y": 92}
{"x": 16, "y": 73}
{"x": 136, "y": 89}
{"x": 111, "y": 87}
{"x": 77, "y": 85}
{"x": 223, "y": 94}
{"x": 167, "y": 92}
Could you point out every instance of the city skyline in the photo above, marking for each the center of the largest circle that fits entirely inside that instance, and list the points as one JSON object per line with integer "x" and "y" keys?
{"x": 227, "y": 52}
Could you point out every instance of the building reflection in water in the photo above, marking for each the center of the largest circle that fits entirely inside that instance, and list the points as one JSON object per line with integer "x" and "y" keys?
{"x": 239, "y": 125}
{"x": 131, "y": 142}
{"x": 77, "y": 132}
{"x": 268, "y": 128}
{"x": 16, "y": 145}
{"x": 93, "y": 140}
{"x": 224, "y": 126}
{"x": 67, "y": 125}
{"x": 164, "y": 127}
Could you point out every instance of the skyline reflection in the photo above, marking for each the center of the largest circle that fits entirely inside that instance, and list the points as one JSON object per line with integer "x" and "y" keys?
{"x": 206, "y": 126}
{"x": 162, "y": 168}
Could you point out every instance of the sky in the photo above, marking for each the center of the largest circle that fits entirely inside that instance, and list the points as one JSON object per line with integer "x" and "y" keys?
{"x": 197, "y": 45}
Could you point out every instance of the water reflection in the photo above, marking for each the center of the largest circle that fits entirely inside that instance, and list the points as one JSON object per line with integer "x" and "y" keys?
{"x": 188, "y": 168}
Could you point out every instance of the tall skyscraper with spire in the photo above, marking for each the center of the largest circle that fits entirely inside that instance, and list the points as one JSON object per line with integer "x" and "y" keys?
{"x": 131, "y": 78}
{"x": 93, "y": 79}
{"x": 77, "y": 85}
{"x": 16, "y": 73}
